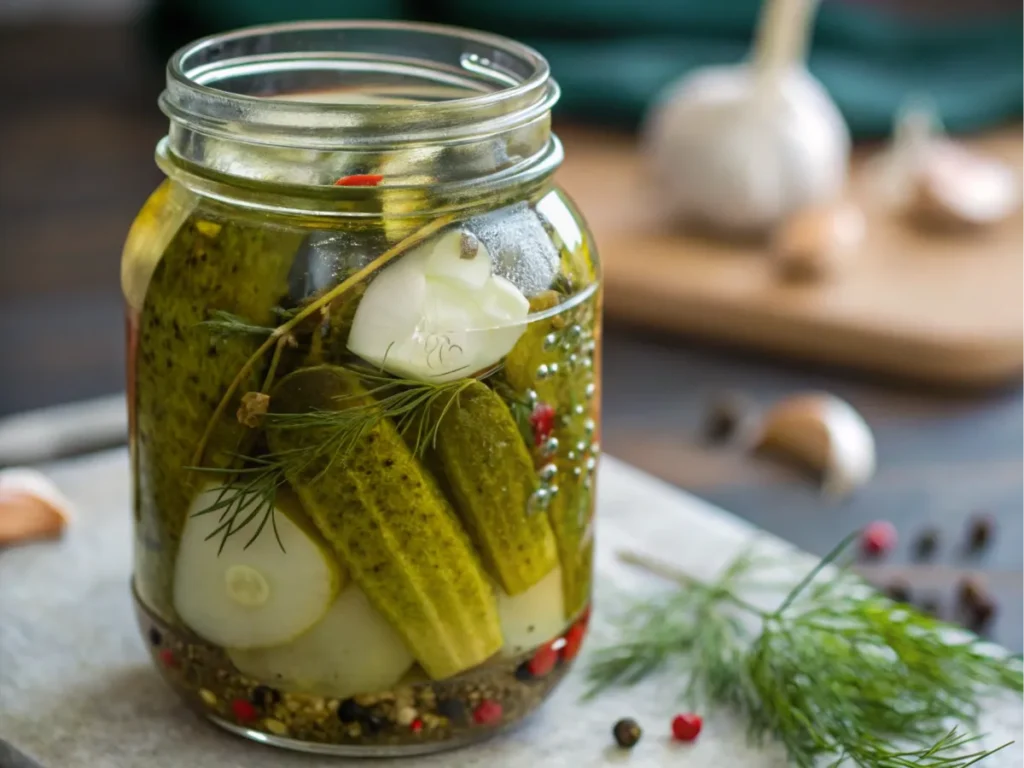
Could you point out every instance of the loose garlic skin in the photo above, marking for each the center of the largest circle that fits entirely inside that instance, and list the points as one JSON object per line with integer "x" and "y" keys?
{"x": 739, "y": 156}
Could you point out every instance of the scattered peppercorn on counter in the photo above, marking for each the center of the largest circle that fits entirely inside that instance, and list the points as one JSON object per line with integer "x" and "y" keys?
{"x": 364, "y": 415}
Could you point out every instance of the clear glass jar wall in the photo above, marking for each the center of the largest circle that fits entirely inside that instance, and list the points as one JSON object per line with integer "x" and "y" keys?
{"x": 363, "y": 337}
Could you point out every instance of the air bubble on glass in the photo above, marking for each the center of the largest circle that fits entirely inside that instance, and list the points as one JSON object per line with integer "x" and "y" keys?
{"x": 539, "y": 500}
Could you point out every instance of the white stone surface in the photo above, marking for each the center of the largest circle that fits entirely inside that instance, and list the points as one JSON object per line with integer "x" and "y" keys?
{"x": 77, "y": 690}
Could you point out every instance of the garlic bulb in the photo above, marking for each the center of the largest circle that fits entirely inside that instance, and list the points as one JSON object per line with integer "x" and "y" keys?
{"x": 439, "y": 313}
{"x": 825, "y": 433}
{"x": 739, "y": 148}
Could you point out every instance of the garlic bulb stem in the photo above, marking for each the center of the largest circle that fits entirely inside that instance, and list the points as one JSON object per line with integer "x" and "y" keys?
{"x": 782, "y": 35}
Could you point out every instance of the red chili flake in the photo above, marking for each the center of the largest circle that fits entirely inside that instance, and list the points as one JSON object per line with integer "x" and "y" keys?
{"x": 573, "y": 640}
{"x": 360, "y": 180}
{"x": 878, "y": 538}
{"x": 244, "y": 710}
{"x": 167, "y": 658}
{"x": 686, "y": 727}
{"x": 487, "y": 712}
{"x": 542, "y": 420}
{"x": 416, "y": 725}
{"x": 543, "y": 661}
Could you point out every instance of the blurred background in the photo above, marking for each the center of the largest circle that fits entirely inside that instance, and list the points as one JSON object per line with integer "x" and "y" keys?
{"x": 81, "y": 80}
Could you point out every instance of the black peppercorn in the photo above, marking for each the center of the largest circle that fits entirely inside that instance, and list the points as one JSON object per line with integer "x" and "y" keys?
{"x": 898, "y": 591}
{"x": 971, "y": 592}
{"x": 726, "y": 415}
{"x": 453, "y": 709}
{"x": 979, "y": 532}
{"x": 627, "y": 733}
{"x": 265, "y": 697}
{"x": 350, "y": 712}
{"x": 373, "y": 724}
{"x": 926, "y": 544}
{"x": 931, "y": 606}
{"x": 154, "y": 636}
{"x": 981, "y": 614}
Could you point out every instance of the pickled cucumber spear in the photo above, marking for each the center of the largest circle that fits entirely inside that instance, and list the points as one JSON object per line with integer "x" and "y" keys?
{"x": 491, "y": 478}
{"x": 386, "y": 519}
{"x": 570, "y": 514}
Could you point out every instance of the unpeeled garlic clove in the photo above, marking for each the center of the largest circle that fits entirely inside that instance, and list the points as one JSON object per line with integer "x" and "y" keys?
{"x": 827, "y": 434}
{"x": 955, "y": 186}
{"x": 816, "y": 242}
{"x": 31, "y": 507}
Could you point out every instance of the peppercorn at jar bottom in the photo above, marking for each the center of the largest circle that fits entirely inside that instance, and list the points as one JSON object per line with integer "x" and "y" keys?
{"x": 416, "y": 717}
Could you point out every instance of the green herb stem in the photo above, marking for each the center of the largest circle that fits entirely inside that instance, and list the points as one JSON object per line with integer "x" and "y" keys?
{"x": 836, "y": 673}
{"x": 324, "y": 300}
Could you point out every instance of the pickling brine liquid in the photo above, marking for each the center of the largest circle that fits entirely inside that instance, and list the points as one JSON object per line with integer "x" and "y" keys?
{"x": 363, "y": 459}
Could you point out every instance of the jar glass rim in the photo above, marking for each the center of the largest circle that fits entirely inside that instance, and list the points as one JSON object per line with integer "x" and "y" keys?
{"x": 513, "y": 79}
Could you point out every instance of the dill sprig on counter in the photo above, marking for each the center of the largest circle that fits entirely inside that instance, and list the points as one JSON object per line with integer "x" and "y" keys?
{"x": 837, "y": 673}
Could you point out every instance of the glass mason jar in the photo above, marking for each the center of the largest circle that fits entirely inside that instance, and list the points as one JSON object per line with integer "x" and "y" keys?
{"x": 363, "y": 337}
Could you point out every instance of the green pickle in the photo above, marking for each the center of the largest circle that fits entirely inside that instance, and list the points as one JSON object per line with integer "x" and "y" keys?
{"x": 399, "y": 540}
{"x": 491, "y": 478}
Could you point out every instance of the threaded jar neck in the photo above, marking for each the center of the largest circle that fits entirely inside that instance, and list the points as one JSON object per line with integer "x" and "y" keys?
{"x": 308, "y": 103}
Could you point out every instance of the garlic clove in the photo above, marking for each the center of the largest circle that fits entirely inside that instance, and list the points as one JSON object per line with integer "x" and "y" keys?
{"x": 31, "y": 507}
{"x": 382, "y": 326}
{"x": 891, "y": 174}
{"x": 459, "y": 256}
{"x": 440, "y": 313}
{"x": 825, "y": 433}
{"x": 938, "y": 181}
{"x": 503, "y": 302}
{"x": 818, "y": 241}
{"x": 506, "y": 309}
{"x": 955, "y": 186}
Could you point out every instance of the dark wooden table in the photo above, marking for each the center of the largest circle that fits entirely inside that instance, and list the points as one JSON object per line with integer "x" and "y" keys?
{"x": 78, "y": 135}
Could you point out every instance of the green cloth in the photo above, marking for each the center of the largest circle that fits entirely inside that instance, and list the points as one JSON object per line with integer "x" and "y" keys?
{"x": 612, "y": 57}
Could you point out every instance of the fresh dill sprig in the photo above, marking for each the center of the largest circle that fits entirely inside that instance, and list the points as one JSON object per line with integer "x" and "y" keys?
{"x": 416, "y": 408}
{"x": 838, "y": 674}
{"x": 225, "y": 324}
{"x": 245, "y": 502}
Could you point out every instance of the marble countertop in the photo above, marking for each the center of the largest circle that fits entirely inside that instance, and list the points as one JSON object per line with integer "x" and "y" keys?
{"x": 77, "y": 689}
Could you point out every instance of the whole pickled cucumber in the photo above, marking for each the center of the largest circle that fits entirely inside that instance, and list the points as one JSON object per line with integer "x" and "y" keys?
{"x": 390, "y": 525}
{"x": 182, "y": 371}
{"x": 522, "y": 360}
{"x": 570, "y": 515}
{"x": 490, "y": 475}
{"x": 568, "y": 385}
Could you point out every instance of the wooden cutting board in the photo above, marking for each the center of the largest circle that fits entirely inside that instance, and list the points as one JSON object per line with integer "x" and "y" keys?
{"x": 945, "y": 309}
